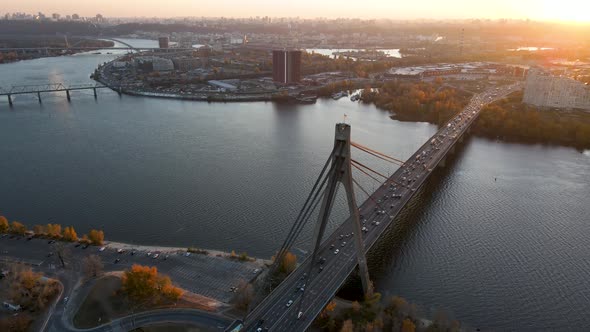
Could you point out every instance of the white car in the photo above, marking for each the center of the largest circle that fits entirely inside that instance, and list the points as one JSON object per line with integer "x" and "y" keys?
{"x": 102, "y": 249}
{"x": 289, "y": 303}
{"x": 120, "y": 251}
{"x": 336, "y": 251}
{"x": 155, "y": 256}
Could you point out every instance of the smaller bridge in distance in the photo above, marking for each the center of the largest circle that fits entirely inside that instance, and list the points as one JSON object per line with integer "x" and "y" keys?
{"x": 49, "y": 87}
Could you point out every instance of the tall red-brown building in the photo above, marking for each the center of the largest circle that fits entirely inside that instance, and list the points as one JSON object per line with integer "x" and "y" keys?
{"x": 286, "y": 66}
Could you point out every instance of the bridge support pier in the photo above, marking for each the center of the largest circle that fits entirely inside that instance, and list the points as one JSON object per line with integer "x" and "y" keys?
{"x": 95, "y": 95}
{"x": 452, "y": 150}
{"x": 443, "y": 162}
{"x": 120, "y": 91}
{"x": 39, "y": 97}
{"x": 68, "y": 95}
{"x": 9, "y": 100}
{"x": 461, "y": 139}
{"x": 342, "y": 174}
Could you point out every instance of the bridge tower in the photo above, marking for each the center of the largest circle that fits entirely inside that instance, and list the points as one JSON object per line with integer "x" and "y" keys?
{"x": 342, "y": 174}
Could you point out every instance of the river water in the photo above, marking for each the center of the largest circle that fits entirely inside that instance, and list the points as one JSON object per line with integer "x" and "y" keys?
{"x": 499, "y": 238}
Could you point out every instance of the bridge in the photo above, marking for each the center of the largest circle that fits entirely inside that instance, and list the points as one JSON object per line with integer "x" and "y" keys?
{"x": 49, "y": 87}
{"x": 297, "y": 300}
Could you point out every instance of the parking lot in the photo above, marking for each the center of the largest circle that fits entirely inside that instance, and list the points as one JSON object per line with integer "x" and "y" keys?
{"x": 207, "y": 275}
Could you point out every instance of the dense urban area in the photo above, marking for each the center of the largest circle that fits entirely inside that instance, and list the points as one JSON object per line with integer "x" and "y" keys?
{"x": 516, "y": 80}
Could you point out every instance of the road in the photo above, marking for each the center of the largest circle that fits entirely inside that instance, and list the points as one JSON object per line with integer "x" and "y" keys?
{"x": 201, "y": 274}
{"x": 377, "y": 213}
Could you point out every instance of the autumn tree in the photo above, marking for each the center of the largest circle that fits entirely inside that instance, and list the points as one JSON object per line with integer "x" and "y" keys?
{"x": 144, "y": 283}
{"x": 30, "y": 290}
{"x": 408, "y": 326}
{"x": 96, "y": 237}
{"x": 347, "y": 326}
{"x": 53, "y": 230}
{"x": 17, "y": 228}
{"x": 69, "y": 234}
{"x": 3, "y": 224}
{"x": 39, "y": 230}
{"x": 92, "y": 266}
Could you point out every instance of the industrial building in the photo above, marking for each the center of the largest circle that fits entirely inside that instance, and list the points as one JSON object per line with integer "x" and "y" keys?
{"x": 187, "y": 63}
{"x": 474, "y": 69}
{"x": 286, "y": 66}
{"x": 545, "y": 90}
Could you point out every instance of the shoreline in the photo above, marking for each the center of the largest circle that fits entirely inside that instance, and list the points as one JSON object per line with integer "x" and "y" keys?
{"x": 166, "y": 249}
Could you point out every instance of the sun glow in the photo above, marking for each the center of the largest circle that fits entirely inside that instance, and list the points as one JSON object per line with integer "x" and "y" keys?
{"x": 567, "y": 10}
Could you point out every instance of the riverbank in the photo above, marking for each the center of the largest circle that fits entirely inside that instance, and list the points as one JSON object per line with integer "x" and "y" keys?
{"x": 175, "y": 250}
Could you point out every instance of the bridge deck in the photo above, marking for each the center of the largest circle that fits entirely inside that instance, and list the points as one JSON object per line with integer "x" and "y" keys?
{"x": 320, "y": 287}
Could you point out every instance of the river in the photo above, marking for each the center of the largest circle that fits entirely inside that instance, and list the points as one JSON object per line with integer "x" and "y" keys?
{"x": 499, "y": 238}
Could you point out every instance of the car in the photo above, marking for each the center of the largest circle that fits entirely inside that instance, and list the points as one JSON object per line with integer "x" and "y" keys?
{"x": 321, "y": 269}
{"x": 77, "y": 245}
{"x": 299, "y": 314}
{"x": 120, "y": 251}
{"x": 149, "y": 254}
{"x": 187, "y": 254}
{"x": 336, "y": 251}
{"x": 29, "y": 238}
{"x": 132, "y": 252}
{"x": 117, "y": 260}
{"x": 259, "y": 329}
{"x": 256, "y": 271}
{"x": 66, "y": 299}
{"x": 50, "y": 254}
{"x": 166, "y": 257}
{"x": 332, "y": 246}
{"x": 155, "y": 256}
{"x": 85, "y": 246}
{"x": 343, "y": 244}
{"x": 289, "y": 303}
{"x": 102, "y": 249}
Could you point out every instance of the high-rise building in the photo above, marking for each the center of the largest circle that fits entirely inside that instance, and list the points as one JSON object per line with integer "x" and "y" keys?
{"x": 545, "y": 90}
{"x": 286, "y": 66}
{"x": 164, "y": 42}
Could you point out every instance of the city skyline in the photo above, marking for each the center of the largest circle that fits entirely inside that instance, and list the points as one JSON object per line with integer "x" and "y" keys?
{"x": 546, "y": 10}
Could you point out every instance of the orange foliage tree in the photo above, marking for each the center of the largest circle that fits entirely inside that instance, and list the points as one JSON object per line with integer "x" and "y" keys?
{"x": 17, "y": 228}
{"x": 144, "y": 283}
{"x": 3, "y": 224}
{"x": 96, "y": 237}
{"x": 69, "y": 234}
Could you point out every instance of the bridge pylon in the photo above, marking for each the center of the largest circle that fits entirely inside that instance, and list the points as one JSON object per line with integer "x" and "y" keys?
{"x": 342, "y": 174}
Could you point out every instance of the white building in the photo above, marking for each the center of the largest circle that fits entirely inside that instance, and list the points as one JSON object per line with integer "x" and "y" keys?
{"x": 545, "y": 90}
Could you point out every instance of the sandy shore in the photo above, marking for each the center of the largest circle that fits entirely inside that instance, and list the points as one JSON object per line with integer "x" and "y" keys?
{"x": 163, "y": 249}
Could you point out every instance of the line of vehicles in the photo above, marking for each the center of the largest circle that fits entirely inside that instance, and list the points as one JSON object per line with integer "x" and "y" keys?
{"x": 412, "y": 171}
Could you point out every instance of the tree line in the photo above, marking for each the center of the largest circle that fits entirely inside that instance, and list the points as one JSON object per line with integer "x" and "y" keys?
{"x": 53, "y": 231}
{"x": 373, "y": 315}
{"x": 511, "y": 120}
{"x": 416, "y": 101}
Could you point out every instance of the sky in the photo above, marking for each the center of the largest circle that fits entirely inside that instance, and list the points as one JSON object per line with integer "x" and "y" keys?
{"x": 561, "y": 10}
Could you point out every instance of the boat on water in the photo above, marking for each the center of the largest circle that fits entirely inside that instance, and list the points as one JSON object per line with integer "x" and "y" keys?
{"x": 339, "y": 95}
{"x": 306, "y": 99}
{"x": 96, "y": 53}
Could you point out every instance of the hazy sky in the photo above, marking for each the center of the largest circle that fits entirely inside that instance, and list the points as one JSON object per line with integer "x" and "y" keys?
{"x": 578, "y": 10}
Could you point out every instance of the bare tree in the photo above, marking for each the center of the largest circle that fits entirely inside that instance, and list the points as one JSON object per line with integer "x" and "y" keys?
{"x": 244, "y": 295}
{"x": 92, "y": 266}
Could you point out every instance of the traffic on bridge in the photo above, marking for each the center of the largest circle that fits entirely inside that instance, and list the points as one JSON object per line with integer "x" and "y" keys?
{"x": 295, "y": 303}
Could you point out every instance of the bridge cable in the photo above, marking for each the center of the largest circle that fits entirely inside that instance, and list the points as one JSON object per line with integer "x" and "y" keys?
{"x": 293, "y": 232}
{"x": 372, "y": 170}
{"x": 360, "y": 146}
{"x": 378, "y": 156}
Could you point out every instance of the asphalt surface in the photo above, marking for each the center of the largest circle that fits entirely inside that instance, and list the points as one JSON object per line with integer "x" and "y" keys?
{"x": 378, "y": 212}
{"x": 201, "y": 274}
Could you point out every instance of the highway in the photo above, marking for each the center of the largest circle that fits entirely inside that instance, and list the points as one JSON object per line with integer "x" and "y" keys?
{"x": 377, "y": 213}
